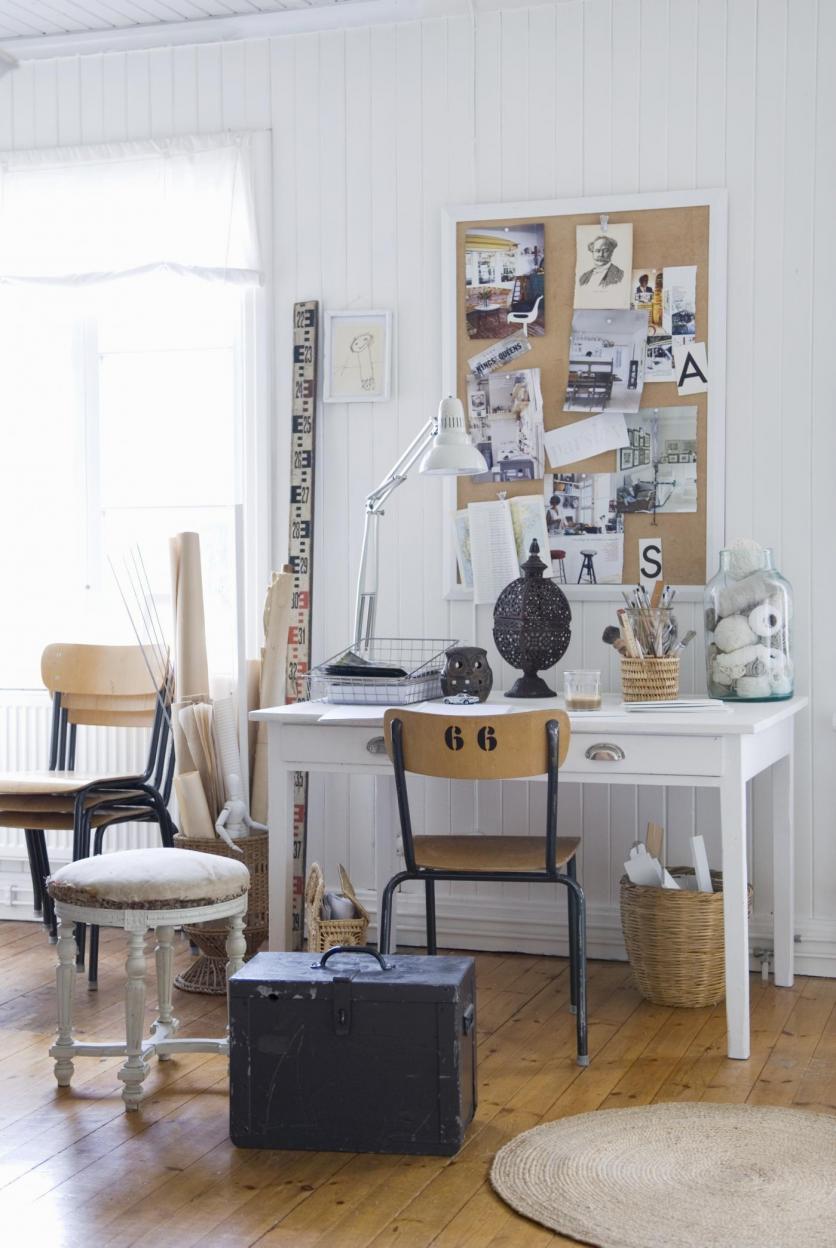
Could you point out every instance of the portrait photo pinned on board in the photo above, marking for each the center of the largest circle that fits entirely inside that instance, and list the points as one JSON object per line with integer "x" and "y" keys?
{"x": 505, "y": 282}
{"x": 358, "y": 353}
{"x": 604, "y": 266}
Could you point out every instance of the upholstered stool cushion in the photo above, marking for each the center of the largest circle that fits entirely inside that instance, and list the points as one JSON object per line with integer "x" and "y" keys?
{"x": 149, "y": 879}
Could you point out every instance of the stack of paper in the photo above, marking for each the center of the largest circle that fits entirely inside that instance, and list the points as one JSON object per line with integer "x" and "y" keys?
{"x": 679, "y": 704}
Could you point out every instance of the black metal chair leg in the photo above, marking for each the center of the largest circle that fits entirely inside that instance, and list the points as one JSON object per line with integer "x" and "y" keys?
{"x": 432, "y": 946}
{"x": 580, "y": 909}
{"x": 385, "y": 923}
{"x": 34, "y": 870}
{"x": 93, "y": 959}
{"x": 571, "y": 871}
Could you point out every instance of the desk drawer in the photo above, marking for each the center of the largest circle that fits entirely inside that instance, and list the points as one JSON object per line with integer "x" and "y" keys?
{"x": 609, "y": 753}
{"x": 341, "y": 745}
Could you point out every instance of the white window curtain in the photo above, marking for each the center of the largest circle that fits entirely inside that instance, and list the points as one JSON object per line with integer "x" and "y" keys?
{"x": 87, "y": 215}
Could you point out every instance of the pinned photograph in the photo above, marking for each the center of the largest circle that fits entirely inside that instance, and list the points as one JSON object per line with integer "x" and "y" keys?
{"x": 604, "y": 266}
{"x": 679, "y": 303}
{"x": 505, "y": 414}
{"x": 662, "y": 477}
{"x": 505, "y": 288}
{"x": 606, "y": 361}
{"x": 586, "y": 530}
{"x": 644, "y": 296}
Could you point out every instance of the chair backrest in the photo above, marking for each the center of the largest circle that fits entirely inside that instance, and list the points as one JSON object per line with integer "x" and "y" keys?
{"x": 105, "y": 686}
{"x": 477, "y": 747}
{"x": 483, "y": 746}
{"x": 110, "y": 687}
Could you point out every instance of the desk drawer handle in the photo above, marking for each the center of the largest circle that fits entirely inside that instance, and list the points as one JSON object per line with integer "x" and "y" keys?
{"x": 376, "y": 745}
{"x": 605, "y": 752}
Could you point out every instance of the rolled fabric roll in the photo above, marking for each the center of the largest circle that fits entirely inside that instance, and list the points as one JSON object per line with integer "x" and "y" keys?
{"x": 733, "y": 633}
{"x": 735, "y": 664}
{"x": 739, "y": 597}
{"x": 766, "y": 619}
{"x": 753, "y": 687}
{"x": 781, "y": 683}
{"x": 720, "y": 675}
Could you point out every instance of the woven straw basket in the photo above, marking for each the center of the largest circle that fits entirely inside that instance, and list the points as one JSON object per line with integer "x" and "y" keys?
{"x": 324, "y": 933}
{"x": 674, "y": 941}
{"x": 649, "y": 680}
{"x": 208, "y": 972}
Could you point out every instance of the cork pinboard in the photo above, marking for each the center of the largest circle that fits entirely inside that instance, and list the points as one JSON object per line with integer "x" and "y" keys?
{"x": 664, "y": 236}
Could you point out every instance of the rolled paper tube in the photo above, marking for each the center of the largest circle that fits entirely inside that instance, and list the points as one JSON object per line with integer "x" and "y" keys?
{"x": 766, "y": 619}
{"x": 733, "y": 633}
{"x": 192, "y": 670}
{"x": 226, "y": 742}
{"x": 192, "y": 808}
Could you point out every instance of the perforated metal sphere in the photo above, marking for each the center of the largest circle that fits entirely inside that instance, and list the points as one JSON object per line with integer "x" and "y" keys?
{"x": 532, "y": 619}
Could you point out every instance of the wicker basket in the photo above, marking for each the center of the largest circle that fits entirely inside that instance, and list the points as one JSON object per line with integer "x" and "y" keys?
{"x": 324, "y": 933}
{"x": 650, "y": 680}
{"x": 674, "y": 940}
{"x": 208, "y": 972}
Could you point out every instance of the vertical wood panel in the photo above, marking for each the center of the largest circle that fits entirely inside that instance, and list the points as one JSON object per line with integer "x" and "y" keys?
{"x": 582, "y": 96}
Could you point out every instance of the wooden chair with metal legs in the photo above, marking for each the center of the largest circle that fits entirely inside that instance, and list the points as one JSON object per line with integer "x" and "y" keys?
{"x": 486, "y": 747}
{"x": 100, "y": 686}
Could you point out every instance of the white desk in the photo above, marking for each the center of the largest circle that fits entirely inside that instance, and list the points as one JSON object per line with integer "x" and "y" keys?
{"x": 722, "y": 750}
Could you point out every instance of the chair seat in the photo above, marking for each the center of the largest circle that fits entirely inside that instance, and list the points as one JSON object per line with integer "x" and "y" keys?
{"x": 34, "y": 783}
{"x": 59, "y": 803}
{"x": 58, "y": 820}
{"x": 490, "y": 853}
{"x": 149, "y": 879}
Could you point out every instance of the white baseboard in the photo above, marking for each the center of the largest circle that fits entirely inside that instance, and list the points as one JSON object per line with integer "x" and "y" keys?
{"x": 472, "y": 923}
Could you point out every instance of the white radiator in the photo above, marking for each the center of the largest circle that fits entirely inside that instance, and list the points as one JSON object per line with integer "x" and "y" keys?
{"x": 25, "y": 722}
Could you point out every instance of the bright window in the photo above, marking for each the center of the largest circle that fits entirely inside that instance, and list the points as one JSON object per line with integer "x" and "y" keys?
{"x": 123, "y": 418}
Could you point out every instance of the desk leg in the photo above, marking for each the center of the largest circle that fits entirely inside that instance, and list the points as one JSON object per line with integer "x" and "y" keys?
{"x": 280, "y": 823}
{"x": 783, "y": 886}
{"x": 735, "y": 903}
{"x": 386, "y": 858}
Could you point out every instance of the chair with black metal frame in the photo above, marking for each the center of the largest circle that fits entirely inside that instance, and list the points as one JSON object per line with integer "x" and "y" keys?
{"x": 98, "y": 686}
{"x": 487, "y": 747}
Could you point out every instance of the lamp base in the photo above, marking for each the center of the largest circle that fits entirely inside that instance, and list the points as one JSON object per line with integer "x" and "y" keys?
{"x": 530, "y": 687}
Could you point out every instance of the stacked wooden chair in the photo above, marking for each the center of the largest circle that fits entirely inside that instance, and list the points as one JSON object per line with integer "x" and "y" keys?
{"x": 98, "y": 686}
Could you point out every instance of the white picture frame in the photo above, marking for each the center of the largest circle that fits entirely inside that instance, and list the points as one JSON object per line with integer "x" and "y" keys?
{"x": 357, "y": 357}
{"x": 716, "y": 200}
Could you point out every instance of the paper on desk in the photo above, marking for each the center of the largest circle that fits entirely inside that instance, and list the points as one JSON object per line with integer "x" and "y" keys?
{"x": 343, "y": 712}
{"x": 465, "y": 709}
{"x": 569, "y": 445}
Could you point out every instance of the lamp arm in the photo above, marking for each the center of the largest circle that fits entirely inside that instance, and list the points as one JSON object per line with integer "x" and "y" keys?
{"x": 401, "y": 468}
{"x": 367, "y": 577}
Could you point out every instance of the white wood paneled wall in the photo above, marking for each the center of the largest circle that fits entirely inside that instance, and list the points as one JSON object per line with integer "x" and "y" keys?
{"x": 374, "y": 129}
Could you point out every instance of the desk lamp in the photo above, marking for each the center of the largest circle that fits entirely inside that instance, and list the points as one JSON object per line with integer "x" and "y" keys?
{"x": 447, "y": 451}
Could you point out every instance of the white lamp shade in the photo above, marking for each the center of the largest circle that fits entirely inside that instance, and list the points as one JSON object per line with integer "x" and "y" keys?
{"x": 452, "y": 453}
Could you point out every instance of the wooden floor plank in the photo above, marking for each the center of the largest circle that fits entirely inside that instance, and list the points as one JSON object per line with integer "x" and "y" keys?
{"x": 74, "y": 1168}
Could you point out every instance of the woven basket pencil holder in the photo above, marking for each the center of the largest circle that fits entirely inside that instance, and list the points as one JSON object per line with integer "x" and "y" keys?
{"x": 650, "y": 680}
{"x": 674, "y": 940}
{"x": 325, "y": 933}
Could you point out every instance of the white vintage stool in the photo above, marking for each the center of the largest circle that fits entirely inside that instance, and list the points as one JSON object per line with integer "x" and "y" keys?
{"x": 138, "y": 889}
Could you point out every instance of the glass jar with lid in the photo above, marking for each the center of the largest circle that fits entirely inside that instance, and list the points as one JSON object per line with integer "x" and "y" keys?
{"x": 748, "y": 614}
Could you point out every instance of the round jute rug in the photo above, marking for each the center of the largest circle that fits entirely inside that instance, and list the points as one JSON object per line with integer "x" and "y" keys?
{"x": 678, "y": 1176}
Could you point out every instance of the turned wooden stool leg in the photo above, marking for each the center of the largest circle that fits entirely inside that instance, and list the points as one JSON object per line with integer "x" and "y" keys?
{"x": 166, "y": 1024}
{"x": 65, "y": 972}
{"x": 236, "y": 947}
{"x": 135, "y": 1068}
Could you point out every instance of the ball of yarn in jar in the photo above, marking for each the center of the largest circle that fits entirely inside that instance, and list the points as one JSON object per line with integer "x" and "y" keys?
{"x": 733, "y": 633}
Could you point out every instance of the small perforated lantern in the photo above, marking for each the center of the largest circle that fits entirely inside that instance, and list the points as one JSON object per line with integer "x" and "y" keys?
{"x": 532, "y": 626}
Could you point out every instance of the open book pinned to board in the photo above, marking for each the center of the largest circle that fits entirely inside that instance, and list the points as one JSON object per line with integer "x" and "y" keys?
{"x": 493, "y": 539}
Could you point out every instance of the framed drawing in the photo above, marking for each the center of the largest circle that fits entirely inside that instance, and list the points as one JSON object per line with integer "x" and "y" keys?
{"x": 358, "y": 357}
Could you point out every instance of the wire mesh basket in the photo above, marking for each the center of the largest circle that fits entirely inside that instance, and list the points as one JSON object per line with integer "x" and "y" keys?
{"x": 386, "y": 671}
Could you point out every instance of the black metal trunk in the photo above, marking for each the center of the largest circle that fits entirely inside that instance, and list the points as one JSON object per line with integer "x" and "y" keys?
{"x": 348, "y": 1056}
